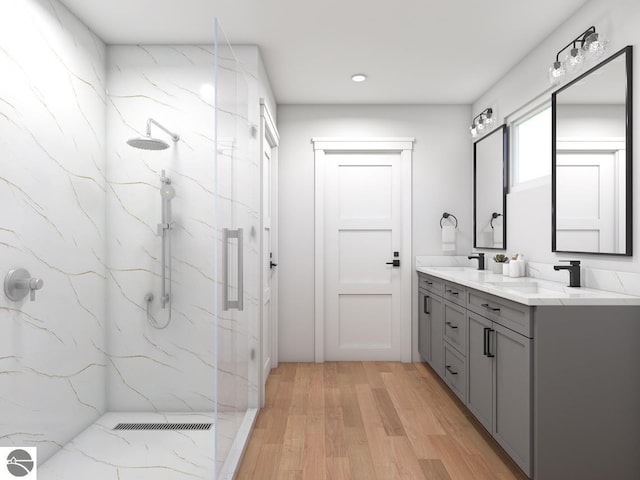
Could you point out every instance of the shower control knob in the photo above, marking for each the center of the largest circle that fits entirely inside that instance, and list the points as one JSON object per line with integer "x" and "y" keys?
{"x": 18, "y": 284}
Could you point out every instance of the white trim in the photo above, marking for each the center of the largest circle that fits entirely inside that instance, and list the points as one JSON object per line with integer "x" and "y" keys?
{"x": 529, "y": 184}
{"x": 319, "y": 255}
{"x": 403, "y": 145}
{"x": 365, "y": 144}
{"x": 592, "y": 144}
{"x": 272, "y": 130}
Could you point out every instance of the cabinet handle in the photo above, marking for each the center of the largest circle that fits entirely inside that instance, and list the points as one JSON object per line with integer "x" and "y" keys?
{"x": 489, "y": 307}
{"x": 428, "y": 282}
{"x": 485, "y": 351}
{"x": 451, "y": 292}
{"x": 424, "y": 307}
{"x": 452, "y": 372}
{"x": 489, "y": 354}
{"x": 451, "y": 325}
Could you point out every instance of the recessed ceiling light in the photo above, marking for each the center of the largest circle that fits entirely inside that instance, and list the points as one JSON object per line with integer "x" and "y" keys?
{"x": 359, "y": 77}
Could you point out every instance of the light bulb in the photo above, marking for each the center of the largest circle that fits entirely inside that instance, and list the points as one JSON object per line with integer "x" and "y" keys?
{"x": 474, "y": 131}
{"x": 488, "y": 118}
{"x": 594, "y": 45}
{"x": 556, "y": 72}
{"x": 480, "y": 126}
{"x": 575, "y": 57}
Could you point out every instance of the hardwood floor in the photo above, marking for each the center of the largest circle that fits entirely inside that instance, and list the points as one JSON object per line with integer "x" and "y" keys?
{"x": 369, "y": 421}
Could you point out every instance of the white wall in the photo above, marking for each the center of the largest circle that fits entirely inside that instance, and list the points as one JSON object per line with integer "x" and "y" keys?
{"x": 441, "y": 176}
{"x": 529, "y": 211}
{"x": 52, "y": 192}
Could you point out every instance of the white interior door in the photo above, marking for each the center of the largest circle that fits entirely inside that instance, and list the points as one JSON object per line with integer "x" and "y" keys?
{"x": 269, "y": 271}
{"x": 267, "y": 259}
{"x": 586, "y": 202}
{"x": 363, "y": 232}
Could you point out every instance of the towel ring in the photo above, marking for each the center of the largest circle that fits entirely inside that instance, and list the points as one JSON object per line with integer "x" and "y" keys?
{"x": 447, "y": 215}
{"x": 494, "y": 215}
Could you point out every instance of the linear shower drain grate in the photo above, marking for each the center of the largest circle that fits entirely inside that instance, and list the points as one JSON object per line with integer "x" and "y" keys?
{"x": 163, "y": 426}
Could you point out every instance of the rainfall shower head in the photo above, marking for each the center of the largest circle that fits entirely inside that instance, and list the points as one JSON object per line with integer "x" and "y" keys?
{"x": 148, "y": 142}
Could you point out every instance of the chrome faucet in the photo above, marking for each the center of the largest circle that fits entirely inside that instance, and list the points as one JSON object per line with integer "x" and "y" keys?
{"x": 480, "y": 258}
{"x": 574, "y": 271}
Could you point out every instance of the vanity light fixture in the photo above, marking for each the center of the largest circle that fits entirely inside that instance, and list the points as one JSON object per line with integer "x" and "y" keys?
{"x": 481, "y": 122}
{"x": 359, "y": 77}
{"x": 586, "y": 47}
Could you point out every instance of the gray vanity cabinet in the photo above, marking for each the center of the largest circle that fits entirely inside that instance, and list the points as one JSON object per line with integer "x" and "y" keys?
{"x": 556, "y": 386}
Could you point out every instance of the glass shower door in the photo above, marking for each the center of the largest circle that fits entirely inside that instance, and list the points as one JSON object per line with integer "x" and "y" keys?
{"x": 237, "y": 221}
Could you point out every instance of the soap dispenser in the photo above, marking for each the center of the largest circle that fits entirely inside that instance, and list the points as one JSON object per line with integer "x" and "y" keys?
{"x": 514, "y": 267}
{"x": 522, "y": 265}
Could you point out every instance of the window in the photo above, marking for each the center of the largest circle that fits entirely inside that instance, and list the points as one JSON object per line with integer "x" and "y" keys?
{"x": 531, "y": 151}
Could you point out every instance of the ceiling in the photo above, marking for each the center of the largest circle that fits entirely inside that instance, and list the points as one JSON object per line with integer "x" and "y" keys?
{"x": 413, "y": 51}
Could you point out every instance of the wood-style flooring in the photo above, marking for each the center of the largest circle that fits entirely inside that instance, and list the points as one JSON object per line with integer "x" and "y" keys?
{"x": 369, "y": 421}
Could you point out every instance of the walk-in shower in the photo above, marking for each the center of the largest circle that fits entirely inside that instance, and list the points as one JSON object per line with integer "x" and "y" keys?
{"x": 84, "y": 213}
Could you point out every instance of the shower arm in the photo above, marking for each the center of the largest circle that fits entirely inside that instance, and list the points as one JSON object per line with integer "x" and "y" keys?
{"x": 174, "y": 136}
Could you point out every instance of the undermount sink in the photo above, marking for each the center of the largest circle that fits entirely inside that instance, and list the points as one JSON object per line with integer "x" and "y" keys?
{"x": 524, "y": 287}
{"x": 458, "y": 269}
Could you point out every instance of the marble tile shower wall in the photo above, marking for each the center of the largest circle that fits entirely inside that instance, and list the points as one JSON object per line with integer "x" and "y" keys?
{"x": 52, "y": 192}
{"x": 171, "y": 369}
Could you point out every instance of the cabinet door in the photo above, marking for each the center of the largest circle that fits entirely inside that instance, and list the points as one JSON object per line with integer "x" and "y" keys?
{"x": 430, "y": 322}
{"x": 424, "y": 326}
{"x": 480, "y": 370}
{"x": 512, "y": 394}
{"x": 436, "y": 311}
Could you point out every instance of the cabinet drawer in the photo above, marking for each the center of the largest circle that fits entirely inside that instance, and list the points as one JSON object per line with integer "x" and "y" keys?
{"x": 431, "y": 284}
{"x": 455, "y": 293}
{"x": 455, "y": 326}
{"x": 510, "y": 314}
{"x": 455, "y": 373}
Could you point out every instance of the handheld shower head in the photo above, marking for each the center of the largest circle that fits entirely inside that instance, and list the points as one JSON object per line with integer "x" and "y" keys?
{"x": 150, "y": 143}
{"x": 167, "y": 192}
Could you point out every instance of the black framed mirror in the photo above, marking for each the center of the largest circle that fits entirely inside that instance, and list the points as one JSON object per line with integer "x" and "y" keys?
{"x": 591, "y": 170}
{"x": 490, "y": 178}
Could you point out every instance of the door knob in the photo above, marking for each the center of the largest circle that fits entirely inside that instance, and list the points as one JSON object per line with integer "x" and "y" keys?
{"x": 271, "y": 264}
{"x": 395, "y": 263}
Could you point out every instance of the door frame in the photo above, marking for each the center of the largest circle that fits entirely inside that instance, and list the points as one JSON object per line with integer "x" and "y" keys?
{"x": 327, "y": 145}
{"x": 269, "y": 135}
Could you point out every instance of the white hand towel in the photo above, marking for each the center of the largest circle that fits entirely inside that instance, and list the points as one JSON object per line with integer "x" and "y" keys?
{"x": 497, "y": 236}
{"x": 448, "y": 238}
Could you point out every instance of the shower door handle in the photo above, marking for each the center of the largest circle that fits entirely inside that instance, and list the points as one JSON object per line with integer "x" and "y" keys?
{"x": 227, "y": 303}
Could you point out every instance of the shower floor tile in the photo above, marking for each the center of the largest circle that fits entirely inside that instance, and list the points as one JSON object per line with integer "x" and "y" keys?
{"x": 100, "y": 453}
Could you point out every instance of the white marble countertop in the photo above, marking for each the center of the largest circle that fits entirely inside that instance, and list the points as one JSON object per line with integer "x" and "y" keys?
{"x": 528, "y": 290}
